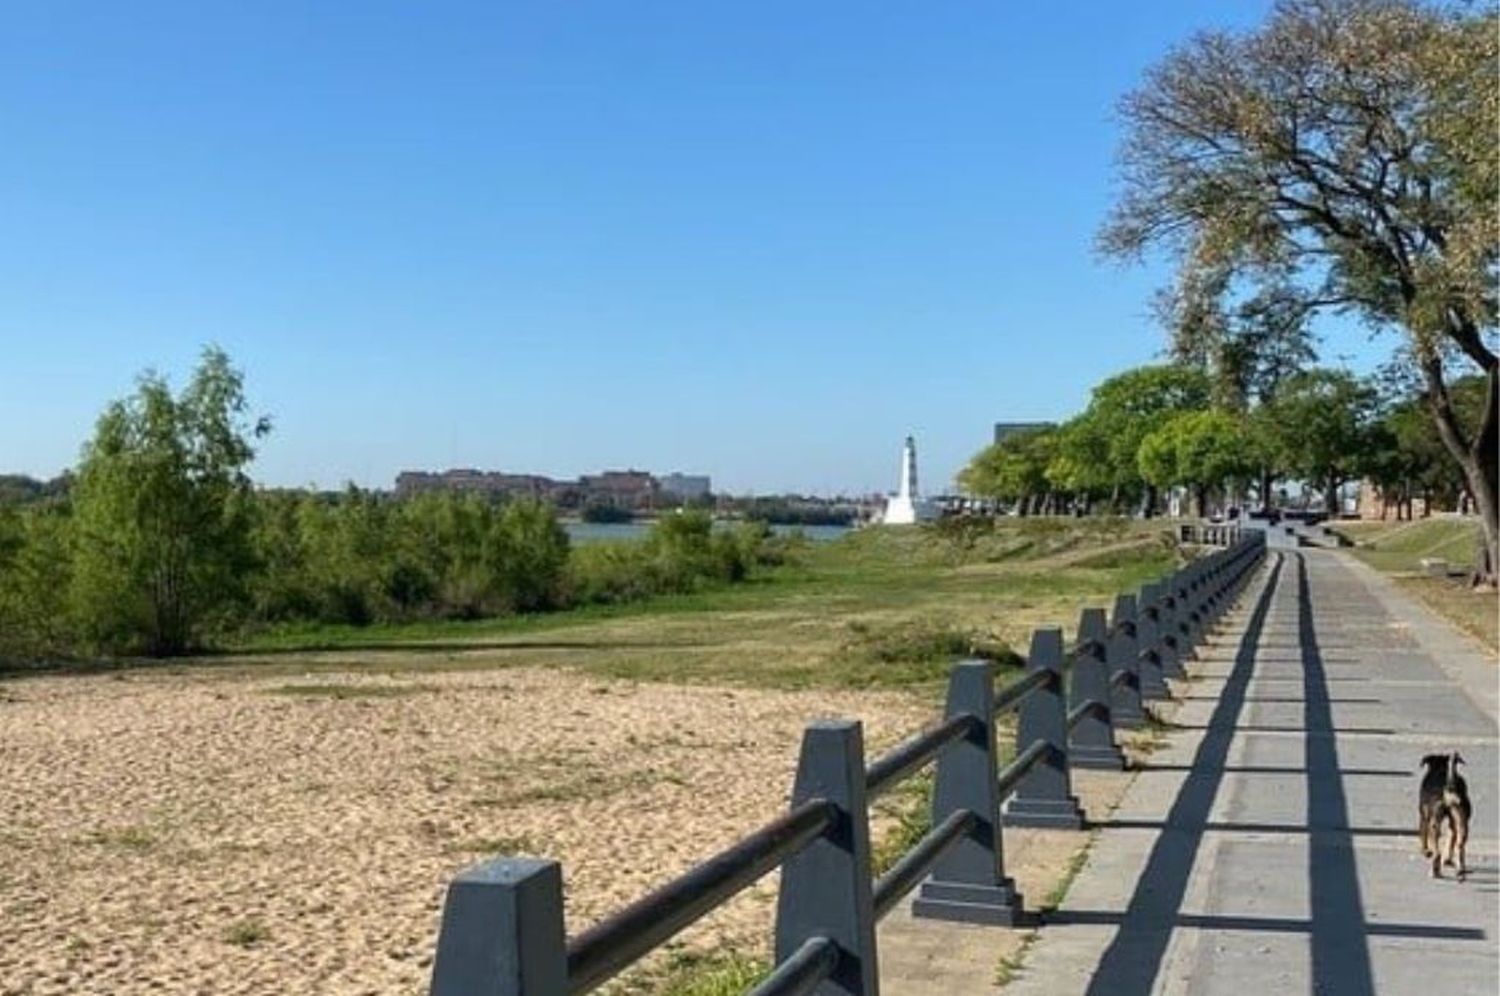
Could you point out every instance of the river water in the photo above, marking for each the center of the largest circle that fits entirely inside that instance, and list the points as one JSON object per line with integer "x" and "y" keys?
{"x": 592, "y": 532}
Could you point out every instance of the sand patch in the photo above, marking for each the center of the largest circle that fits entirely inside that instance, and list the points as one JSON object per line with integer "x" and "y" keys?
{"x": 202, "y": 832}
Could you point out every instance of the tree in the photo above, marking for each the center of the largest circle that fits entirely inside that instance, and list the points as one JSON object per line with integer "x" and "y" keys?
{"x": 162, "y": 511}
{"x": 1345, "y": 150}
{"x": 1408, "y": 458}
{"x": 1014, "y": 470}
{"x": 1321, "y": 422}
{"x": 1127, "y": 407}
{"x": 1080, "y": 462}
{"x": 1197, "y": 450}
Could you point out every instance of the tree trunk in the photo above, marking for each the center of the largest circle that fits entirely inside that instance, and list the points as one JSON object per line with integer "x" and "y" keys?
{"x": 1479, "y": 459}
{"x": 1265, "y": 486}
{"x": 1331, "y": 497}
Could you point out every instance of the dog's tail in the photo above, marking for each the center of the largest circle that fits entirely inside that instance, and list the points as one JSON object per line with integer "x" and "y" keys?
{"x": 1450, "y": 783}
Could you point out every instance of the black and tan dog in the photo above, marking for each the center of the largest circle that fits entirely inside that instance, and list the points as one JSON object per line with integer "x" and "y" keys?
{"x": 1444, "y": 798}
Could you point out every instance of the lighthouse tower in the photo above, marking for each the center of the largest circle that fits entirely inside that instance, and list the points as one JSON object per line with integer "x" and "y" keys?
{"x": 906, "y": 506}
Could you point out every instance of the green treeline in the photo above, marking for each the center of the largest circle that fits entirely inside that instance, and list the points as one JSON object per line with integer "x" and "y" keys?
{"x": 162, "y": 545}
{"x": 1152, "y": 429}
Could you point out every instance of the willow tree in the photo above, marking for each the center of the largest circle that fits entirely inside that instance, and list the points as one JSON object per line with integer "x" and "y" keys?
{"x": 1345, "y": 152}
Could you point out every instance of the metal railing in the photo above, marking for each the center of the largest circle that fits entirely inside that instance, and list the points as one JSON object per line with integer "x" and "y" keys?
{"x": 502, "y": 930}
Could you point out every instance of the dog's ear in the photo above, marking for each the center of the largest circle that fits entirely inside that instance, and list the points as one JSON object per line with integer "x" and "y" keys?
{"x": 1458, "y": 759}
{"x": 1432, "y": 759}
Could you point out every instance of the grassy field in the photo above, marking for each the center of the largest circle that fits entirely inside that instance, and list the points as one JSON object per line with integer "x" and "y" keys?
{"x": 1398, "y": 549}
{"x": 876, "y": 609}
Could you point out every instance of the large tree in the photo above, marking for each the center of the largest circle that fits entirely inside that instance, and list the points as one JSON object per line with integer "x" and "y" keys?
{"x": 1127, "y": 407}
{"x": 1014, "y": 470}
{"x": 162, "y": 511}
{"x": 1345, "y": 152}
{"x": 1201, "y": 451}
{"x": 1322, "y": 425}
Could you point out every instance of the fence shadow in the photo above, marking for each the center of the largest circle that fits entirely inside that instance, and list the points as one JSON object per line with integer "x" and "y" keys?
{"x": 1130, "y": 964}
{"x": 1340, "y": 948}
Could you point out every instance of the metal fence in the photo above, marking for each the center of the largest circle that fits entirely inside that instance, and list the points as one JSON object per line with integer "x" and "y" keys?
{"x": 502, "y": 930}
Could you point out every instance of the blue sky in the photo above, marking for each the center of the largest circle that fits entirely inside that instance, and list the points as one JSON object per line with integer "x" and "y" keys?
{"x": 761, "y": 240}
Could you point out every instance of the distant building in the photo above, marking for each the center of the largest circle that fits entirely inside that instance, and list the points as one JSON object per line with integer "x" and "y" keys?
{"x": 685, "y": 486}
{"x": 632, "y": 490}
{"x": 621, "y": 488}
{"x": 1004, "y": 430}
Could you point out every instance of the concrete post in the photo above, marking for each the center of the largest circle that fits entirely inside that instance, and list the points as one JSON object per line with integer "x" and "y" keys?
{"x": 1121, "y": 654}
{"x": 502, "y": 932}
{"x": 826, "y": 886}
{"x": 1091, "y": 741}
{"x": 1149, "y": 645}
{"x": 1167, "y": 634}
{"x": 968, "y": 883}
{"x": 1044, "y": 795}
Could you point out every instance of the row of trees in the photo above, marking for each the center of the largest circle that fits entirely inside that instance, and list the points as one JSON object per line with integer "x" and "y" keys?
{"x": 1340, "y": 157}
{"x": 1161, "y": 427}
{"x": 161, "y": 543}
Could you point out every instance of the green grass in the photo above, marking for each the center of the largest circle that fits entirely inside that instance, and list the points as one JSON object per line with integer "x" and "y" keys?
{"x": 716, "y": 974}
{"x": 1059, "y": 891}
{"x": 494, "y": 846}
{"x": 247, "y": 933}
{"x": 133, "y": 837}
{"x": 331, "y": 691}
{"x": 1010, "y": 966}
{"x": 881, "y": 608}
{"x": 1400, "y": 547}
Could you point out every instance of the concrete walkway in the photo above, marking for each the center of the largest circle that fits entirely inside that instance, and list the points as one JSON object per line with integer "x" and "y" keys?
{"x": 1270, "y": 847}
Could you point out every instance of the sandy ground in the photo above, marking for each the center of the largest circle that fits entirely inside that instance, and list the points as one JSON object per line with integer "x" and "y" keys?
{"x": 209, "y": 833}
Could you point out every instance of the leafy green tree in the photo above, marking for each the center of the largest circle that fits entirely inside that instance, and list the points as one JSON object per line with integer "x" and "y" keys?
{"x": 35, "y": 573}
{"x": 1344, "y": 151}
{"x": 1322, "y": 422}
{"x": 1201, "y": 451}
{"x": 1408, "y": 459}
{"x": 1080, "y": 462}
{"x": 1014, "y": 470}
{"x": 162, "y": 512}
{"x": 1128, "y": 407}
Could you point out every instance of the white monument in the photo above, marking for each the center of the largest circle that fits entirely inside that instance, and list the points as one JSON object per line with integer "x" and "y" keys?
{"x": 906, "y": 506}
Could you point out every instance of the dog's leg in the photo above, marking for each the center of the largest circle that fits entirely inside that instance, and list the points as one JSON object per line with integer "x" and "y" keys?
{"x": 1436, "y": 831}
{"x": 1461, "y": 844}
{"x": 1422, "y": 822}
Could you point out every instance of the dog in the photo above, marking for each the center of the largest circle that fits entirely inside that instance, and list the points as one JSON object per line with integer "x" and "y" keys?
{"x": 1444, "y": 798}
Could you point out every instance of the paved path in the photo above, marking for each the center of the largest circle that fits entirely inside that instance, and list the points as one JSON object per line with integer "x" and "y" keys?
{"x": 1270, "y": 848}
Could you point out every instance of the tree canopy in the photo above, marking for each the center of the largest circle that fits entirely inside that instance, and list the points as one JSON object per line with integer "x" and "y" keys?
{"x": 1341, "y": 156}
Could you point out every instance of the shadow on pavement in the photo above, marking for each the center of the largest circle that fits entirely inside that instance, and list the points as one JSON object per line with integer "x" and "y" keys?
{"x": 1130, "y": 964}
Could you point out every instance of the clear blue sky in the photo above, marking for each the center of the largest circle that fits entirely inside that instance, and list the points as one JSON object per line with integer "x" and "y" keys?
{"x": 759, "y": 240}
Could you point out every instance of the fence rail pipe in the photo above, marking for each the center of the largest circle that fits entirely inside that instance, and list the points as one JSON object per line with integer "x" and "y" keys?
{"x": 599, "y": 952}
{"x": 1021, "y": 764}
{"x": 803, "y": 972}
{"x": 905, "y": 874}
{"x": 911, "y": 756}
{"x": 1012, "y": 694}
